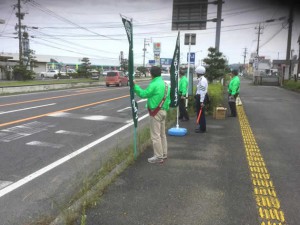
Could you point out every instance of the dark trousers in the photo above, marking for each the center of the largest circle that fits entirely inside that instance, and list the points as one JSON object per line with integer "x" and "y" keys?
{"x": 183, "y": 114}
{"x": 202, "y": 120}
{"x": 232, "y": 106}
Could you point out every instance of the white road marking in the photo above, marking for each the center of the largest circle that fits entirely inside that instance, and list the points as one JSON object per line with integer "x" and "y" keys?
{"x": 44, "y": 144}
{"x": 72, "y": 133}
{"x": 121, "y": 110}
{"x": 4, "y": 183}
{"x": 34, "y": 107}
{"x": 142, "y": 100}
{"x": 97, "y": 118}
{"x": 24, "y": 130}
{"x": 90, "y": 117}
{"x": 55, "y": 164}
{"x": 60, "y": 114}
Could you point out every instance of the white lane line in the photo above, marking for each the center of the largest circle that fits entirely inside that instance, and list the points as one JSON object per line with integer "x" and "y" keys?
{"x": 72, "y": 133}
{"x": 34, "y": 107}
{"x": 121, "y": 110}
{"x": 4, "y": 183}
{"x": 44, "y": 144}
{"x": 53, "y": 165}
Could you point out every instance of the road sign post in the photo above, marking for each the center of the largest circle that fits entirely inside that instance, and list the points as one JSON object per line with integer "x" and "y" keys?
{"x": 189, "y": 39}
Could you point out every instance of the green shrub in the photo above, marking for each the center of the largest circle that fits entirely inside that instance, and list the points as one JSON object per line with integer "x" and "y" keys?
{"x": 216, "y": 97}
{"x": 21, "y": 73}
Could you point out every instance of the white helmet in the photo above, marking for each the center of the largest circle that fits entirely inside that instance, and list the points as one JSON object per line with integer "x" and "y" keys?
{"x": 200, "y": 70}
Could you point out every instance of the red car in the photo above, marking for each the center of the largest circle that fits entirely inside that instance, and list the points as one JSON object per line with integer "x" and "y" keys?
{"x": 117, "y": 78}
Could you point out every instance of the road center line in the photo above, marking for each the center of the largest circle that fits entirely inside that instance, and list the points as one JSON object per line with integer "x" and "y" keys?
{"x": 268, "y": 204}
{"x": 34, "y": 107}
{"x": 55, "y": 164}
{"x": 59, "y": 111}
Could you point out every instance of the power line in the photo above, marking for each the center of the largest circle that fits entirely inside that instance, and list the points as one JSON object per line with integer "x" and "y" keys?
{"x": 51, "y": 13}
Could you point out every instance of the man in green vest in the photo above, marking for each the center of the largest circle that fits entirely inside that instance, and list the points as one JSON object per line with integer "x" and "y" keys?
{"x": 233, "y": 92}
{"x": 183, "y": 89}
{"x": 158, "y": 101}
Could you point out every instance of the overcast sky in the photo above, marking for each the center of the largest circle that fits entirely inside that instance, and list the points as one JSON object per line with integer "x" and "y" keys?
{"x": 93, "y": 28}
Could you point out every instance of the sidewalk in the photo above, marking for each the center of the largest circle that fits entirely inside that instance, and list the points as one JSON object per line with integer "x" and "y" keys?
{"x": 204, "y": 181}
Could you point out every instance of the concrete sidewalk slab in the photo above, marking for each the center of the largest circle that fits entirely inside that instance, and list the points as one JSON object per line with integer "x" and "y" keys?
{"x": 205, "y": 180}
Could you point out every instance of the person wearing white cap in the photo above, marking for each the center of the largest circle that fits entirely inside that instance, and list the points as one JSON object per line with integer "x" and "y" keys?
{"x": 202, "y": 88}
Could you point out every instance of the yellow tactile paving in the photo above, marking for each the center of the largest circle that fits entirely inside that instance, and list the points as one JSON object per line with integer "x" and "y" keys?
{"x": 267, "y": 203}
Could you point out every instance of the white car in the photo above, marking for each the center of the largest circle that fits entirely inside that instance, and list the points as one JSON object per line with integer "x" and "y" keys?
{"x": 50, "y": 73}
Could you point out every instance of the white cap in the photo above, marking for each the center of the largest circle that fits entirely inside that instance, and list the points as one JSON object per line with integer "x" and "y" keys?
{"x": 200, "y": 70}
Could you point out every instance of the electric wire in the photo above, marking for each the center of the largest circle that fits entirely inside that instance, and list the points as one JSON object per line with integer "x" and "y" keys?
{"x": 51, "y": 13}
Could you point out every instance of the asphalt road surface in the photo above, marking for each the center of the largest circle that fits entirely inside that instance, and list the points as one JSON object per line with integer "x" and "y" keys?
{"x": 50, "y": 141}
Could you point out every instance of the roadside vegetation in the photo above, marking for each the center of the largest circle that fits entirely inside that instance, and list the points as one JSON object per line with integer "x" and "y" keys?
{"x": 41, "y": 82}
{"x": 292, "y": 85}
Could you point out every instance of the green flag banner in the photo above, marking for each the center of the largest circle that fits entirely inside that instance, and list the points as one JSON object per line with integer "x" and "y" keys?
{"x": 134, "y": 106}
{"x": 174, "y": 74}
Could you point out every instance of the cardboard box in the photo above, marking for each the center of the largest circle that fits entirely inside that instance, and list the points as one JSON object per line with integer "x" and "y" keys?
{"x": 219, "y": 113}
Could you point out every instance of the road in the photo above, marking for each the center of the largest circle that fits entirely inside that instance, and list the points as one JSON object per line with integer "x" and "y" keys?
{"x": 37, "y": 130}
{"x": 51, "y": 141}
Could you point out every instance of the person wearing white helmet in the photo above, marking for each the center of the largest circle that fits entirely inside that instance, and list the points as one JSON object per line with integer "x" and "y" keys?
{"x": 202, "y": 88}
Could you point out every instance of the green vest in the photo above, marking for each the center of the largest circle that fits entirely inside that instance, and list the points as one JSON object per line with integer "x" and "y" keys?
{"x": 183, "y": 85}
{"x": 154, "y": 93}
{"x": 234, "y": 86}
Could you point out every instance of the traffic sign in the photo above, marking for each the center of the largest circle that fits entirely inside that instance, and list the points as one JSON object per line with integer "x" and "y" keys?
{"x": 192, "y": 57}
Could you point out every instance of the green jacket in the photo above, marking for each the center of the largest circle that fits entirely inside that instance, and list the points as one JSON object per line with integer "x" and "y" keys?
{"x": 154, "y": 93}
{"x": 183, "y": 85}
{"x": 234, "y": 86}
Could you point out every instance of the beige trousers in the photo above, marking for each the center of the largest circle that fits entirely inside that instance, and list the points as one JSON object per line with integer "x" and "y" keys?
{"x": 158, "y": 133}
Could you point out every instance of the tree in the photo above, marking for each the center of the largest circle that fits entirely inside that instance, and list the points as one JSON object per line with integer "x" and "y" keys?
{"x": 124, "y": 65}
{"x": 85, "y": 66}
{"x": 143, "y": 70}
{"x": 216, "y": 64}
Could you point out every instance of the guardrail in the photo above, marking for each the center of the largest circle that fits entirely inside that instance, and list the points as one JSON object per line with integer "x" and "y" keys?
{"x": 267, "y": 80}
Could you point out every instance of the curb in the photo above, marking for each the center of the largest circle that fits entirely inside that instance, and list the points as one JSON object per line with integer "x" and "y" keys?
{"x": 96, "y": 190}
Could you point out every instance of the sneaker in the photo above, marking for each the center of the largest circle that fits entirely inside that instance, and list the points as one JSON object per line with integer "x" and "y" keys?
{"x": 155, "y": 159}
{"x": 164, "y": 156}
{"x": 199, "y": 131}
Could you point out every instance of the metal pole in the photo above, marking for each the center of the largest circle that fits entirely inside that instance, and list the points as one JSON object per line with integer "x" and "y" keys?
{"x": 218, "y": 28}
{"x": 188, "y": 70}
{"x": 144, "y": 49}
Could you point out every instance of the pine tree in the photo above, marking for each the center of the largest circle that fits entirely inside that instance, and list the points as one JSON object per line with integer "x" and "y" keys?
{"x": 216, "y": 64}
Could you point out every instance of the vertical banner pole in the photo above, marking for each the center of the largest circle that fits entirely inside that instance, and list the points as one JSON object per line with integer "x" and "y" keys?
{"x": 134, "y": 106}
{"x": 188, "y": 70}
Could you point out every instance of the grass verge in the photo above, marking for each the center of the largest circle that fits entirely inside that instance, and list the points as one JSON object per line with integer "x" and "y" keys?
{"x": 43, "y": 82}
{"x": 292, "y": 85}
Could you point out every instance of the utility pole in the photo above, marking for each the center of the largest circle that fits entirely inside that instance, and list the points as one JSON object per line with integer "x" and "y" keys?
{"x": 288, "y": 49}
{"x": 218, "y": 28}
{"x": 258, "y": 38}
{"x": 298, "y": 70}
{"x": 245, "y": 54}
{"x": 19, "y": 25}
{"x": 146, "y": 42}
